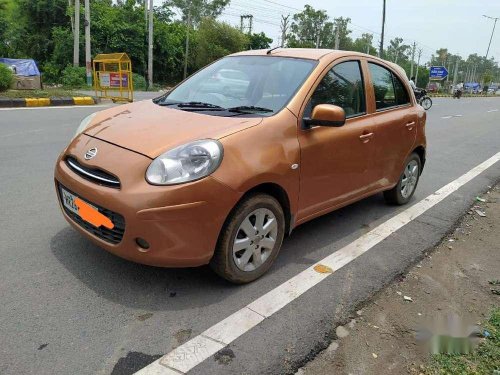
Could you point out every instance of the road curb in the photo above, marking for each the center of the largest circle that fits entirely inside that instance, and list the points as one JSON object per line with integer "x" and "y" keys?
{"x": 463, "y": 96}
{"x": 45, "y": 102}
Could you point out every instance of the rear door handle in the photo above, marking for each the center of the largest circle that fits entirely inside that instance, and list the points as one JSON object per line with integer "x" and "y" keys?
{"x": 410, "y": 125}
{"x": 366, "y": 137}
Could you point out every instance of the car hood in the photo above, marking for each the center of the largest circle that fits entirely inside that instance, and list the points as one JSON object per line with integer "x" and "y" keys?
{"x": 150, "y": 129}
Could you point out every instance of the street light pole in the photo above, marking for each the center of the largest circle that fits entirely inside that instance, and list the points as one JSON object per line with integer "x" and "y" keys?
{"x": 494, "y": 25}
{"x": 76, "y": 35}
{"x": 150, "y": 46}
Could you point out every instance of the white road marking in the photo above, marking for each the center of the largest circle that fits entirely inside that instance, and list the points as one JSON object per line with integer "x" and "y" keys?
{"x": 492, "y": 110}
{"x": 448, "y": 117}
{"x": 58, "y": 107}
{"x": 195, "y": 351}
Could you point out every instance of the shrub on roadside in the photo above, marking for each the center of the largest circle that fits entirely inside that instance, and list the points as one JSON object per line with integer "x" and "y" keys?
{"x": 5, "y": 77}
{"x": 139, "y": 82}
{"x": 73, "y": 77}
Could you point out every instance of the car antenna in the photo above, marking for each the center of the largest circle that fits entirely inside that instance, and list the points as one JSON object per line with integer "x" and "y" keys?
{"x": 271, "y": 50}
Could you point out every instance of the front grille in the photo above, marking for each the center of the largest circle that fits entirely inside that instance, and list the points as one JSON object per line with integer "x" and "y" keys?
{"x": 112, "y": 236}
{"x": 95, "y": 175}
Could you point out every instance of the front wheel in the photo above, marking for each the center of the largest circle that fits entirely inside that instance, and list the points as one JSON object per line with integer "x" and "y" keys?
{"x": 403, "y": 191}
{"x": 426, "y": 102}
{"x": 250, "y": 240}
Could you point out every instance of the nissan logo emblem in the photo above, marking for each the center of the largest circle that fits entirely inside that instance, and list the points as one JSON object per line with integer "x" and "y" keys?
{"x": 90, "y": 153}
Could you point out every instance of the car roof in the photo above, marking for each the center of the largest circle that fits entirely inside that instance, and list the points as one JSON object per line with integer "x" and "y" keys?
{"x": 302, "y": 53}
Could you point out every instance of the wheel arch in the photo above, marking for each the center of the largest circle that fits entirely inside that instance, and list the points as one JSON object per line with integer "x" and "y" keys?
{"x": 420, "y": 151}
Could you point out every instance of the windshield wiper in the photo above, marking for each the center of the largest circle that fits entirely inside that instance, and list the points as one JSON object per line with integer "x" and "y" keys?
{"x": 199, "y": 105}
{"x": 192, "y": 105}
{"x": 249, "y": 109}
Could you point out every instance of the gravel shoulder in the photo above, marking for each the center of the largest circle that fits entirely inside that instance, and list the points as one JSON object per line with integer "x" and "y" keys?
{"x": 452, "y": 283}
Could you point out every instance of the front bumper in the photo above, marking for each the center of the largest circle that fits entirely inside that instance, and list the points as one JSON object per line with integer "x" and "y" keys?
{"x": 181, "y": 223}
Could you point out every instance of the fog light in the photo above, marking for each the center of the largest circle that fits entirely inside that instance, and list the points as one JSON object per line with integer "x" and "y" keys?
{"x": 142, "y": 243}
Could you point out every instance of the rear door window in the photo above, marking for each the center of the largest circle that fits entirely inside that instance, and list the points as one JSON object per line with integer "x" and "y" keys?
{"x": 383, "y": 86}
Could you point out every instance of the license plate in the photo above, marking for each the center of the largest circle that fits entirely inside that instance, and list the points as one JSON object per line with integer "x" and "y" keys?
{"x": 69, "y": 201}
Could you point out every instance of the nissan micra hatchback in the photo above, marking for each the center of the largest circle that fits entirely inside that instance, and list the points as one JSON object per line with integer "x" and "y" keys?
{"x": 221, "y": 168}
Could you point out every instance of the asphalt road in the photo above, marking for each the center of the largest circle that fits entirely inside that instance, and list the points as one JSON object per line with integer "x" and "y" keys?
{"x": 68, "y": 307}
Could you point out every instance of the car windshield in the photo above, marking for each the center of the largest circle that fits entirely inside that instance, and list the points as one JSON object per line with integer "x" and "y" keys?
{"x": 260, "y": 85}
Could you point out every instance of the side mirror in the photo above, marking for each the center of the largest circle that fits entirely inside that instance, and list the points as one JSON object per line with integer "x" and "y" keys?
{"x": 326, "y": 115}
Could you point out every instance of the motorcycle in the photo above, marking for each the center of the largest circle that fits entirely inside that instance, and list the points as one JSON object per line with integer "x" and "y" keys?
{"x": 457, "y": 94}
{"x": 423, "y": 99}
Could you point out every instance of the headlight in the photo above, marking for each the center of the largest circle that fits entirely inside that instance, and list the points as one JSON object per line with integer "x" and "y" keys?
{"x": 83, "y": 125}
{"x": 185, "y": 163}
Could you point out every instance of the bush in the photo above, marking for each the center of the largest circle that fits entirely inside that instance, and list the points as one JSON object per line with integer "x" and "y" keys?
{"x": 5, "y": 77}
{"x": 139, "y": 82}
{"x": 51, "y": 73}
{"x": 73, "y": 77}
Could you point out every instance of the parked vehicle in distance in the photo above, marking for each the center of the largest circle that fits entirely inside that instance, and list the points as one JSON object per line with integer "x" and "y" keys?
{"x": 432, "y": 87}
{"x": 201, "y": 176}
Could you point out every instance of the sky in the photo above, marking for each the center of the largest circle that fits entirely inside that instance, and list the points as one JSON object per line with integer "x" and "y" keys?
{"x": 454, "y": 24}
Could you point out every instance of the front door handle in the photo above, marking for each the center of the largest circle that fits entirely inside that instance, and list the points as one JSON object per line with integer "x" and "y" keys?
{"x": 366, "y": 137}
{"x": 410, "y": 125}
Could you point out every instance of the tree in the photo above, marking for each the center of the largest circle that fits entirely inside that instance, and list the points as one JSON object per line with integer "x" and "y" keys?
{"x": 341, "y": 25}
{"x": 310, "y": 28}
{"x": 215, "y": 40}
{"x": 397, "y": 51}
{"x": 259, "y": 41}
{"x": 199, "y": 9}
{"x": 364, "y": 44}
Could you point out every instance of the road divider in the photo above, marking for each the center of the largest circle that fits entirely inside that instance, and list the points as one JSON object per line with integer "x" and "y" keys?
{"x": 190, "y": 354}
{"x": 47, "y": 102}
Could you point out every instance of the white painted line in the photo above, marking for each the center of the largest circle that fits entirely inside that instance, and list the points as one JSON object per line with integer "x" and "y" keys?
{"x": 446, "y": 117}
{"x": 492, "y": 110}
{"x": 195, "y": 351}
{"x": 58, "y": 107}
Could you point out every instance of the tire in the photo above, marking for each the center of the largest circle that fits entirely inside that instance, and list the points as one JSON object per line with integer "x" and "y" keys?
{"x": 238, "y": 263}
{"x": 426, "y": 102}
{"x": 396, "y": 195}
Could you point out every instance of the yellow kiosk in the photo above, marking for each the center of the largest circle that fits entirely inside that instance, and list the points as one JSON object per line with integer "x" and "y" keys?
{"x": 113, "y": 77}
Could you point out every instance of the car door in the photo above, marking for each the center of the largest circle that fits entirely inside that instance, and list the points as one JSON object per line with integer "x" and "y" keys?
{"x": 395, "y": 123}
{"x": 335, "y": 161}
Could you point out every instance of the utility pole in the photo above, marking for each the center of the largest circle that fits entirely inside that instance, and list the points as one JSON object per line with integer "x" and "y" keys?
{"x": 88, "y": 63}
{"x": 381, "y": 50}
{"x": 413, "y": 58}
{"x": 150, "y": 46}
{"x": 187, "y": 42}
{"x": 455, "y": 72}
{"x": 494, "y": 25}
{"x": 146, "y": 13}
{"x": 76, "y": 35}
{"x": 418, "y": 64}
{"x": 284, "y": 29}
{"x": 337, "y": 37}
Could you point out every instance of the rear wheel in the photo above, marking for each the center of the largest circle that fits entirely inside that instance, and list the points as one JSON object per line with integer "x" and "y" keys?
{"x": 250, "y": 240}
{"x": 407, "y": 183}
{"x": 426, "y": 102}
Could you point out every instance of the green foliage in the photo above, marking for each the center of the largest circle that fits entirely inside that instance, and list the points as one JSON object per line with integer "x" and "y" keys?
{"x": 215, "y": 40}
{"x": 139, "y": 82}
{"x": 309, "y": 27}
{"x": 73, "y": 76}
{"x": 5, "y": 77}
{"x": 198, "y": 9}
{"x": 259, "y": 41}
{"x": 484, "y": 360}
{"x": 51, "y": 73}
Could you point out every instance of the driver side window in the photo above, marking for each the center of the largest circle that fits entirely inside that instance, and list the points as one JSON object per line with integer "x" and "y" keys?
{"x": 341, "y": 86}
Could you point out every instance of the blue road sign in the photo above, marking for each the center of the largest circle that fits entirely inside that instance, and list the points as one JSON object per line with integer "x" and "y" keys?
{"x": 438, "y": 72}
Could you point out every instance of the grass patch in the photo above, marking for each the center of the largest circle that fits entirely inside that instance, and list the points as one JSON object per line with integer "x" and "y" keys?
{"x": 484, "y": 360}
{"x": 45, "y": 93}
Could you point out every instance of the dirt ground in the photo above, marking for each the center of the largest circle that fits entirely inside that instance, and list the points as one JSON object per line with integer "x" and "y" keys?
{"x": 450, "y": 283}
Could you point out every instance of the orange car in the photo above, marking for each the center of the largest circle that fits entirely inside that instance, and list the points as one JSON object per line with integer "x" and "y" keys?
{"x": 222, "y": 167}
